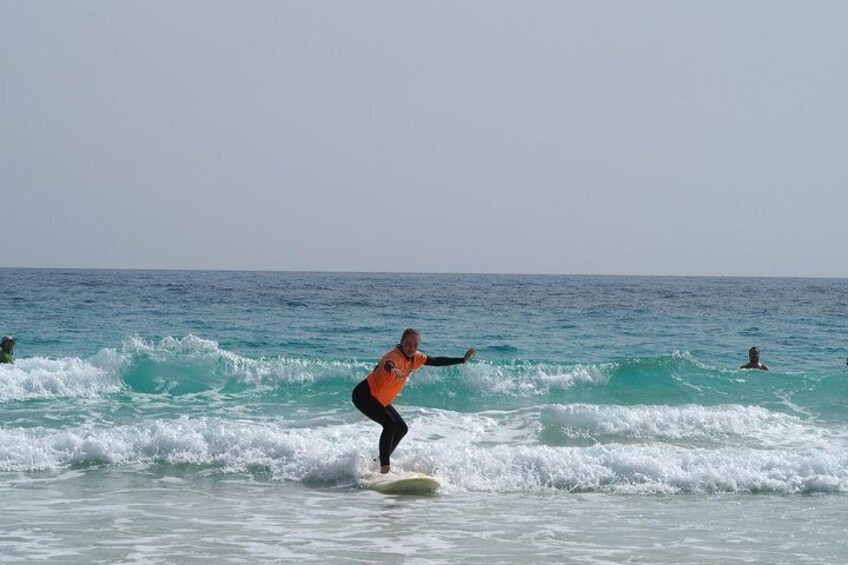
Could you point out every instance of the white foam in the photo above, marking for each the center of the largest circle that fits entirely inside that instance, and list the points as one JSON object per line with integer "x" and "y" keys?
{"x": 232, "y": 446}
{"x": 270, "y": 371}
{"x": 294, "y": 370}
{"x": 102, "y": 373}
{"x": 73, "y": 377}
{"x": 529, "y": 379}
{"x": 40, "y": 378}
{"x": 468, "y": 452}
{"x": 491, "y": 452}
{"x": 680, "y": 423}
{"x": 647, "y": 469}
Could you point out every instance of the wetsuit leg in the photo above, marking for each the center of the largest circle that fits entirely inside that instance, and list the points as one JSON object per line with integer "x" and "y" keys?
{"x": 400, "y": 428}
{"x": 394, "y": 428}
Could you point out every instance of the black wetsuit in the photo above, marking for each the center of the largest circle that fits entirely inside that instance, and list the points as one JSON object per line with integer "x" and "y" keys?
{"x": 394, "y": 428}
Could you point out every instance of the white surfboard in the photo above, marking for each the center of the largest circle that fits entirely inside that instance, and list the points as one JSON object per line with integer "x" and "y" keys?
{"x": 403, "y": 483}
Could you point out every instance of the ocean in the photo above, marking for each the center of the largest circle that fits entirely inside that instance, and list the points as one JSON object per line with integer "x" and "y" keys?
{"x": 196, "y": 417}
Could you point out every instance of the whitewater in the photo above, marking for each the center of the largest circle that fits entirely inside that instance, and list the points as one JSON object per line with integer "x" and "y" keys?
{"x": 178, "y": 416}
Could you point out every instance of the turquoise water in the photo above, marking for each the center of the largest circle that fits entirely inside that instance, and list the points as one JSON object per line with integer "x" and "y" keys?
{"x": 167, "y": 416}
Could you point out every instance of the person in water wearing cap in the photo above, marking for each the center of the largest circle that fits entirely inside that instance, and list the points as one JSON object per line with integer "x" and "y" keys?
{"x": 754, "y": 360}
{"x": 373, "y": 396}
{"x": 7, "y": 344}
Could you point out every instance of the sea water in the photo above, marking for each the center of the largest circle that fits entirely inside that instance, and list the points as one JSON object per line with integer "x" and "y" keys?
{"x": 179, "y": 417}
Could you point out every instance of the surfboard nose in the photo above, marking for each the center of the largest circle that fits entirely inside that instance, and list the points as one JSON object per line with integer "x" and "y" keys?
{"x": 403, "y": 483}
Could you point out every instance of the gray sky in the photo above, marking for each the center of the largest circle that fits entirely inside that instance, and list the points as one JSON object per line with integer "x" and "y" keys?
{"x": 700, "y": 138}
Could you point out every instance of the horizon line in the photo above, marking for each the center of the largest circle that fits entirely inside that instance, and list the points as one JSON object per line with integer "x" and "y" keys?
{"x": 377, "y": 272}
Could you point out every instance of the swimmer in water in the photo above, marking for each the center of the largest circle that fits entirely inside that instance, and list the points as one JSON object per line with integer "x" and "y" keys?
{"x": 754, "y": 360}
{"x": 373, "y": 396}
{"x": 7, "y": 345}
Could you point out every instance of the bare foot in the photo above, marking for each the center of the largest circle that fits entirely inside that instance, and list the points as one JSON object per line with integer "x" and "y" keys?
{"x": 385, "y": 469}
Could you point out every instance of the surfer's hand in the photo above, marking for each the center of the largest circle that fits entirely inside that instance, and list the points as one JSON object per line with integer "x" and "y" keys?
{"x": 469, "y": 354}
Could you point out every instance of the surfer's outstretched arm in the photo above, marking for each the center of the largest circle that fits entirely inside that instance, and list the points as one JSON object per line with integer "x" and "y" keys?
{"x": 446, "y": 361}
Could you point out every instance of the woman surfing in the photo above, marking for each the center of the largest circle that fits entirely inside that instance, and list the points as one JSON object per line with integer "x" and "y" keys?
{"x": 373, "y": 396}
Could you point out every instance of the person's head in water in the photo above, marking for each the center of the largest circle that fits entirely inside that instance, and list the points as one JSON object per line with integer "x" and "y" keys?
{"x": 6, "y": 345}
{"x": 754, "y": 360}
{"x": 409, "y": 341}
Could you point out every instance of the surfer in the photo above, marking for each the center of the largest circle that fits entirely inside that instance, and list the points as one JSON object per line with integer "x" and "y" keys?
{"x": 7, "y": 344}
{"x": 373, "y": 396}
{"x": 754, "y": 360}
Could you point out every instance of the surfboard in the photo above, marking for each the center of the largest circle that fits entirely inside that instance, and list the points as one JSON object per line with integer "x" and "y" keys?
{"x": 403, "y": 483}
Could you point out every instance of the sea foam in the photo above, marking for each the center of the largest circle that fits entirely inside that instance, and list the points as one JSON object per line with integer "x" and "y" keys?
{"x": 470, "y": 452}
{"x": 753, "y": 425}
{"x": 39, "y": 378}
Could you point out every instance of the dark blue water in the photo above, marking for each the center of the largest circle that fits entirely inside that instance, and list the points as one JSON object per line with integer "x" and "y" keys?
{"x": 798, "y": 323}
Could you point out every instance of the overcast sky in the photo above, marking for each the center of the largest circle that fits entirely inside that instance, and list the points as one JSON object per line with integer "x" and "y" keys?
{"x": 691, "y": 138}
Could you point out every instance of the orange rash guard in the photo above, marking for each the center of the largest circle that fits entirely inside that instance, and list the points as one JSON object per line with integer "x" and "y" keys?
{"x": 385, "y": 385}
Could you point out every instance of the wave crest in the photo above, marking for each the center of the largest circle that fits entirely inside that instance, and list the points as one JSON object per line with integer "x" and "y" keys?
{"x": 464, "y": 450}
{"x": 37, "y": 378}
